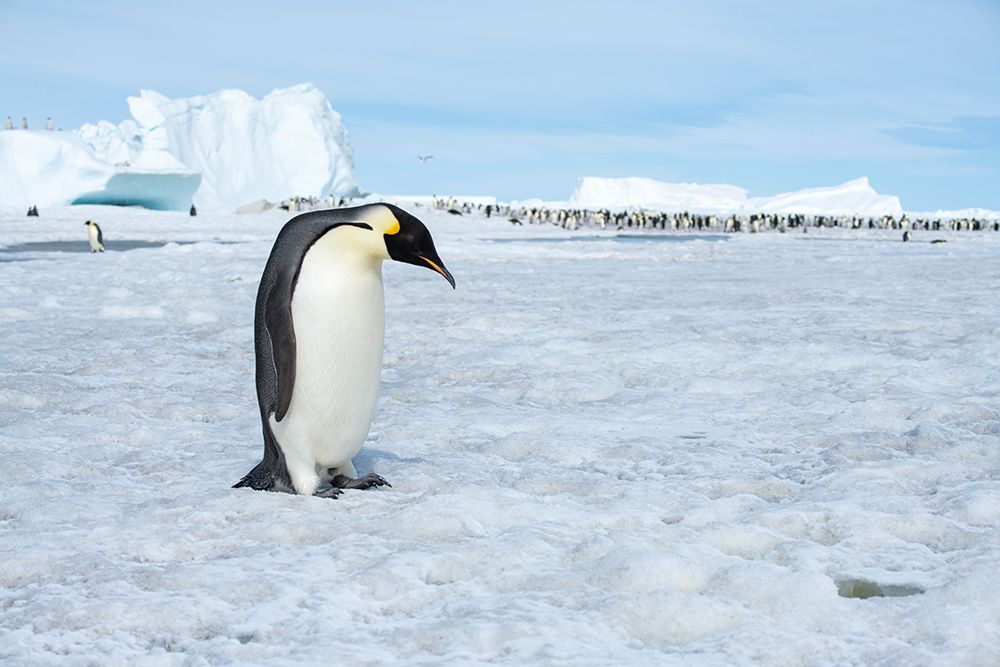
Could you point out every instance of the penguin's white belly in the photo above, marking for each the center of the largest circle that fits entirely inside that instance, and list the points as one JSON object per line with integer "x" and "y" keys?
{"x": 338, "y": 312}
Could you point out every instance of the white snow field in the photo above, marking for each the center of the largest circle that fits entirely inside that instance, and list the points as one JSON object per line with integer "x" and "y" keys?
{"x": 757, "y": 449}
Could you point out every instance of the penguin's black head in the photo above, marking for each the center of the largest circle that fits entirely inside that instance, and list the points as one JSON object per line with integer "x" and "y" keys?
{"x": 410, "y": 242}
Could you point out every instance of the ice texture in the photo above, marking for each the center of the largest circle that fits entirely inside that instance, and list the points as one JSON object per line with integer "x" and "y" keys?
{"x": 758, "y": 449}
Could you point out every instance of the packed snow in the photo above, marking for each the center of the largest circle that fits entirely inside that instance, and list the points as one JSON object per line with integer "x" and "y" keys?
{"x": 219, "y": 151}
{"x": 655, "y": 449}
{"x": 856, "y": 197}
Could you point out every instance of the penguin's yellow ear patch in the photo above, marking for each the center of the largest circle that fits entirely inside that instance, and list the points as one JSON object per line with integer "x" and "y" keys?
{"x": 394, "y": 228}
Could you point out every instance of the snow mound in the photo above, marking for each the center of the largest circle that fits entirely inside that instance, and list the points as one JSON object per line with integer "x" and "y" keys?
{"x": 850, "y": 198}
{"x": 635, "y": 192}
{"x": 853, "y": 197}
{"x": 58, "y": 168}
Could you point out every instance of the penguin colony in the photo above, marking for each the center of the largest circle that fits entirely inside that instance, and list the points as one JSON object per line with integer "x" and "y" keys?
{"x": 755, "y": 223}
{"x": 683, "y": 222}
{"x": 318, "y": 334}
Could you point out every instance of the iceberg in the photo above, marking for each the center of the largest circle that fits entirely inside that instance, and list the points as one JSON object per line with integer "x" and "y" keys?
{"x": 289, "y": 143}
{"x": 635, "y": 192}
{"x": 218, "y": 151}
{"x": 956, "y": 214}
{"x": 855, "y": 197}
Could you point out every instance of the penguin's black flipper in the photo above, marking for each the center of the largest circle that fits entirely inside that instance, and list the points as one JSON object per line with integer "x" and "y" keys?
{"x": 281, "y": 331}
{"x": 100, "y": 236}
{"x": 278, "y": 285}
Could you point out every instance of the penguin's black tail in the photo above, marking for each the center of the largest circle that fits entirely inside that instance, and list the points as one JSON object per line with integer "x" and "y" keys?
{"x": 243, "y": 482}
{"x": 259, "y": 479}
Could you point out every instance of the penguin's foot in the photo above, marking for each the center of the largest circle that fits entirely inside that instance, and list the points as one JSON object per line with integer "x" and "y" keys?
{"x": 328, "y": 492}
{"x": 366, "y": 482}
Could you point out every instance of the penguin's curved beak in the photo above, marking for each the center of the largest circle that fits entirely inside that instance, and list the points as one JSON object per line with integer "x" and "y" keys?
{"x": 440, "y": 269}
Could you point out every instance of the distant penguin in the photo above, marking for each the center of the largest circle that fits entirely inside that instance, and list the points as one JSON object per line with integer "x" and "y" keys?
{"x": 193, "y": 212}
{"x": 906, "y": 236}
{"x": 32, "y": 211}
{"x": 95, "y": 236}
{"x": 8, "y": 124}
{"x": 49, "y": 125}
{"x": 24, "y": 123}
{"x": 318, "y": 334}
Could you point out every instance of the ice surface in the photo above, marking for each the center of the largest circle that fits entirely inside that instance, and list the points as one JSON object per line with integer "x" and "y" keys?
{"x": 290, "y": 143}
{"x": 602, "y": 452}
{"x": 850, "y": 198}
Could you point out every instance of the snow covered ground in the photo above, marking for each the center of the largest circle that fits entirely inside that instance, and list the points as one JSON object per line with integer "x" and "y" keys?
{"x": 690, "y": 451}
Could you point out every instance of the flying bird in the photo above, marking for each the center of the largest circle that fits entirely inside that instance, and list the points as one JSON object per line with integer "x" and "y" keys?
{"x": 424, "y": 158}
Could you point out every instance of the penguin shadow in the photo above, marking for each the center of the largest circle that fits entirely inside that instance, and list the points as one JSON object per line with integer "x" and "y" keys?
{"x": 368, "y": 456}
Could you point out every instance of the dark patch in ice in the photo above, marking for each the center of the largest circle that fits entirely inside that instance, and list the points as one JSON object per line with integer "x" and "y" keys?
{"x": 620, "y": 238}
{"x": 121, "y": 245}
{"x": 862, "y": 589}
{"x": 694, "y": 436}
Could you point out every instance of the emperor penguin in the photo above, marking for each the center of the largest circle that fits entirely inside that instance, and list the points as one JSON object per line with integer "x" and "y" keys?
{"x": 95, "y": 236}
{"x": 319, "y": 326}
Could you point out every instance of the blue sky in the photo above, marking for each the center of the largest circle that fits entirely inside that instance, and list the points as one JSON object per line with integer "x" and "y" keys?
{"x": 519, "y": 99}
